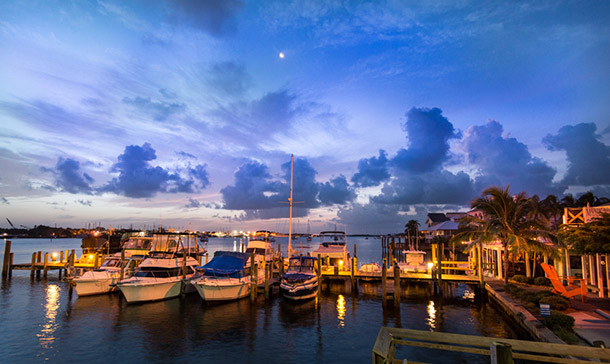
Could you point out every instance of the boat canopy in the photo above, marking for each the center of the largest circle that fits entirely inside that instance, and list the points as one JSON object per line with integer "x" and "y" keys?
{"x": 226, "y": 263}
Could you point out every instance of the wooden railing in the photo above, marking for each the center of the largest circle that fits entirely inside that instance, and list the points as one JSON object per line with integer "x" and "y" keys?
{"x": 500, "y": 351}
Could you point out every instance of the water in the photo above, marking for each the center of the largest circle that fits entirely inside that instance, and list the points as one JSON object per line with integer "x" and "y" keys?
{"x": 39, "y": 322}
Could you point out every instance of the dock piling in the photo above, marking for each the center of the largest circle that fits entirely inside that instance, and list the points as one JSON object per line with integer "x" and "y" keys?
{"x": 384, "y": 279}
{"x": 319, "y": 273}
{"x": 253, "y": 285}
{"x": 6, "y": 263}
{"x": 33, "y": 266}
{"x": 396, "y": 284}
{"x": 46, "y": 265}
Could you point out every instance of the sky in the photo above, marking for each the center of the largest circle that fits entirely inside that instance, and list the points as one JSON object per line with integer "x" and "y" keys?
{"x": 185, "y": 113}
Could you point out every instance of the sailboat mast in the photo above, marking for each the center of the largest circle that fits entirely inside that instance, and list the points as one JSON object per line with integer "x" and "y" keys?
{"x": 290, "y": 201}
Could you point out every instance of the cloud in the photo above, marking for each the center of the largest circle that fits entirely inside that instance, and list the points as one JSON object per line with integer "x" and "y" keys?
{"x": 336, "y": 191}
{"x": 588, "y": 158}
{"x": 160, "y": 111}
{"x": 216, "y": 17}
{"x": 505, "y": 161}
{"x": 193, "y": 204}
{"x": 229, "y": 78}
{"x": 137, "y": 178}
{"x": 429, "y": 133}
{"x": 372, "y": 171}
{"x": 68, "y": 177}
{"x": 4, "y": 201}
{"x": 168, "y": 94}
{"x": 84, "y": 202}
{"x": 251, "y": 188}
{"x": 373, "y": 218}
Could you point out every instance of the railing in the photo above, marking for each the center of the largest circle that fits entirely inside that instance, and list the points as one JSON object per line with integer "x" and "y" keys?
{"x": 500, "y": 351}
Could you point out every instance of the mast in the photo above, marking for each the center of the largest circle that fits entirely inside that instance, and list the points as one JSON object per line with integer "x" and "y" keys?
{"x": 290, "y": 202}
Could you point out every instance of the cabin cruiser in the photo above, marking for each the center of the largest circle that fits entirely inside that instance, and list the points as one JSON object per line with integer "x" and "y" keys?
{"x": 370, "y": 272}
{"x": 300, "y": 281}
{"x": 262, "y": 247}
{"x": 104, "y": 279}
{"x": 166, "y": 272}
{"x": 415, "y": 262}
{"x": 333, "y": 250}
{"x": 226, "y": 277}
{"x": 137, "y": 246}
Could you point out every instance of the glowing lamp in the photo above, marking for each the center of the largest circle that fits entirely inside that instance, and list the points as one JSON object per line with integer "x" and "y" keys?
{"x": 341, "y": 263}
{"x": 430, "y": 265}
{"x": 90, "y": 256}
{"x": 53, "y": 256}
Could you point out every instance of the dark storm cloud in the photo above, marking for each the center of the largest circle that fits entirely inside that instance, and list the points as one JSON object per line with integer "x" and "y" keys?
{"x": 429, "y": 133}
{"x": 160, "y": 111}
{"x": 374, "y": 218}
{"x": 229, "y": 78}
{"x": 506, "y": 161}
{"x": 261, "y": 197}
{"x": 137, "y": 178}
{"x": 216, "y": 17}
{"x": 372, "y": 171}
{"x": 69, "y": 178}
{"x": 588, "y": 158}
{"x": 336, "y": 191}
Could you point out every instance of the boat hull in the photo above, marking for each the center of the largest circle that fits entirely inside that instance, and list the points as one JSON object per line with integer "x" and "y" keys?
{"x": 222, "y": 289}
{"x": 296, "y": 291}
{"x": 89, "y": 287}
{"x": 149, "y": 290}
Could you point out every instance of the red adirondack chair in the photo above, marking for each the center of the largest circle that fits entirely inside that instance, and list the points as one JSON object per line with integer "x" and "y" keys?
{"x": 571, "y": 289}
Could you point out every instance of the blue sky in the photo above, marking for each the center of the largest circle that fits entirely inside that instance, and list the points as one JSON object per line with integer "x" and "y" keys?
{"x": 183, "y": 112}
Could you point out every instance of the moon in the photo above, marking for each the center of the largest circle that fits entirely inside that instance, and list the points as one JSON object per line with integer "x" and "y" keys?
{"x": 281, "y": 55}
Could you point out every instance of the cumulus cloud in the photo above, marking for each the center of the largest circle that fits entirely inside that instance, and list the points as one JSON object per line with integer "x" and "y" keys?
{"x": 137, "y": 178}
{"x": 374, "y": 218}
{"x": 216, "y": 17}
{"x": 588, "y": 158}
{"x": 159, "y": 110}
{"x": 503, "y": 160}
{"x": 429, "y": 133}
{"x": 193, "y": 204}
{"x": 260, "y": 196}
{"x": 69, "y": 178}
{"x": 372, "y": 171}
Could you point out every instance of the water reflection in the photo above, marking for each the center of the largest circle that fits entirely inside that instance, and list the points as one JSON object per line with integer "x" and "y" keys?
{"x": 431, "y": 320}
{"x": 46, "y": 336}
{"x": 341, "y": 310}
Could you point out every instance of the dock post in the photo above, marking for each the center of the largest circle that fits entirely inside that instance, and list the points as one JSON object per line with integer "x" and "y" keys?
{"x": 396, "y": 284}
{"x": 480, "y": 267}
{"x": 319, "y": 272}
{"x": 501, "y": 353}
{"x": 354, "y": 268}
{"x": 6, "y": 263}
{"x": 122, "y": 265}
{"x": 72, "y": 261}
{"x": 10, "y": 266}
{"x": 267, "y": 269}
{"x": 46, "y": 265}
{"x": 96, "y": 261}
{"x": 38, "y": 261}
{"x": 206, "y": 258}
{"x": 384, "y": 279}
{"x": 439, "y": 252}
{"x": 32, "y": 270}
{"x": 253, "y": 286}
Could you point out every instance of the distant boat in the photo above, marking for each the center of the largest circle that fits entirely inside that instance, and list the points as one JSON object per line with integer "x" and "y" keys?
{"x": 103, "y": 280}
{"x": 262, "y": 248}
{"x": 300, "y": 281}
{"x": 226, "y": 277}
{"x": 415, "y": 261}
{"x": 333, "y": 249}
{"x": 371, "y": 271}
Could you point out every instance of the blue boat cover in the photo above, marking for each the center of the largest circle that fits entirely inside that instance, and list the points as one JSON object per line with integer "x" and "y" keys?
{"x": 226, "y": 263}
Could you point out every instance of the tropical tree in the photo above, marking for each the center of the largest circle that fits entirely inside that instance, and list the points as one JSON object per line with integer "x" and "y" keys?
{"x": 511, "y": 219}
{"x": 412, "y": 230}
{"x": 590, "y": 238}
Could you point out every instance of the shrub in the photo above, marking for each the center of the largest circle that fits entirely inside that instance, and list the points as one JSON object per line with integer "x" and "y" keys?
{"x": 542, "y": 281}
{"x": 519, "y": 278}
{"x": 559, "y": 320}
{"x": 556, "y": 302}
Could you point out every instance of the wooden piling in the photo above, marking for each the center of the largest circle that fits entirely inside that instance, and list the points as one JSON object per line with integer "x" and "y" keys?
{"x": 354, "y": 268}
{"x": 10, "y": 265}
{"x": 46, "y": 265}
{"x": 501, "y": 353}
{"x": 33, "y": 266}
{"x": 396, "y": 283}
{"x": 267, "y": 269}
{"x": 480, "y": 268}
{"x": 207, "y": 257}
{"x": 384, "y": 279}
{"x": 319, "y": 272}
{"x": 7, "y": 253}
{"x": 253, "y": 287}
{"x": 122, "y": 276}
{"x": 440, "y": 265}
{"x": 71, "y": 263}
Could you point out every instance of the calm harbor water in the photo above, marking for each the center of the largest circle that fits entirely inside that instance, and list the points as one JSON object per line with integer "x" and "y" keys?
{"x": 40, "y": 322}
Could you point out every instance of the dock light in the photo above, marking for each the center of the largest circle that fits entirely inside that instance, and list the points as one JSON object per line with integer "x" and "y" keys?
{"x": 430, "y": 265}
{"x": 90, "y": 256}
{"x": 341, "y": 263}
{"x": 54, "y": 256}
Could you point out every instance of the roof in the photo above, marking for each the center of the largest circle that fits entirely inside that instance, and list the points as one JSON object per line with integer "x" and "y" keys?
{"x": 446, "y": 225}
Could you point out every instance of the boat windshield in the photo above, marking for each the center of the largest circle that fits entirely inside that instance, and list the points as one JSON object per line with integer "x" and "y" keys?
{"x": 260, "y": 251}
{"x": 112, "y": 263}
{"x": 157, "y": 272}
{"x": 138, "y": 244}
{"x": 301, "y": 264}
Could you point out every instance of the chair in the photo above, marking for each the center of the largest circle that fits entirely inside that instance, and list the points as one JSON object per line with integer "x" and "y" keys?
{"x": 568, "y": 291}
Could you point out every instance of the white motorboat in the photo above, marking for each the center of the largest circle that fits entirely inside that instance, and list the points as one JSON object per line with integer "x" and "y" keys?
{"x": 415, "y": 262}
{"x": 300, "y": 281}
{"x": 226, "y": 277}
{"x": 333, "y": 250}
{"x": 370, "y": 272}
{"x": 137, "y": 246}
{"x": 261, "y": 246}
{"x": 103, "y": 279}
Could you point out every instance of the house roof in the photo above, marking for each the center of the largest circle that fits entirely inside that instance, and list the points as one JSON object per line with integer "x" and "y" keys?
{"x": 436, "y": 217}
{"x": 446, "y": 225}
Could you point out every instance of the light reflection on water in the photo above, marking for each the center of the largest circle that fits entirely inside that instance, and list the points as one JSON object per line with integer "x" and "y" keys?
{"x": 341, "y": 310}
{"x": 431, "y": 320}
{"x": 46, "y": 336}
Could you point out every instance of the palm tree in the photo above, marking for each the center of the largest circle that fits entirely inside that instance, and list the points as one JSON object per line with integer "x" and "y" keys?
{"x": 512, "y": 220}
{"x": 412, "y": 230}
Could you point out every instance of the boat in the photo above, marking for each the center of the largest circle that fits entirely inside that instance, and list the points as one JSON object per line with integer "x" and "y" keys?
{"x": 415, "y": 261}
{"x": 300, "y": 281}
{"x": 103, "y": 280}
{"x": 370, "y": 272}
{"x": 333, "y": 250}
{"x": 138, "y": 246}
{"x": 261, "y": 246}
{"x": 167, "y": 271}
{"x": 226, "y": 277}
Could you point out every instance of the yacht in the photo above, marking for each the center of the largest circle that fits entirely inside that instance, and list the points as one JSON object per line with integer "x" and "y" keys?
{"x": 167, "y": 271}
{"x": 226, "y": 277}
{"x": 261, "y": 246}
{"x": 104, "y": 279}
{"x": 415, "y": 262}
{"x": 300, "y": 281}
{"x": 333, "y": 250}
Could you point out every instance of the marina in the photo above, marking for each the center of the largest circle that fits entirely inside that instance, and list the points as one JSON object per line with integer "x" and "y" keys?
{"x": 339, "y": 323}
